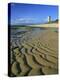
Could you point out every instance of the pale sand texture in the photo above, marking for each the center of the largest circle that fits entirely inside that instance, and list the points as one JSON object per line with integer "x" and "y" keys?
{"x": 36, "y": 56}
{"x": 46, "y": 25}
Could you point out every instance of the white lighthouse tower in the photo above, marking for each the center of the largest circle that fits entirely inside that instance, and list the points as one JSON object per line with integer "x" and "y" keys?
{"x": 49, "y": 18}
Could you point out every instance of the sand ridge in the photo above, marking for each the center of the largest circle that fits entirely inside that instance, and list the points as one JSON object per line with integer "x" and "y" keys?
{"x": 35, "y": 55}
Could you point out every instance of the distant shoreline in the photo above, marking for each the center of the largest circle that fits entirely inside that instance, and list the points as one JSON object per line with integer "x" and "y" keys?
{"x": 46, "y": 25}
{"x": 52, "y": 24}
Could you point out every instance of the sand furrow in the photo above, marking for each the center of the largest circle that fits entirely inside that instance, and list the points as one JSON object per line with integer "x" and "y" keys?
{"x": 35, "y": 72}
{"x": 23, "y": 65}
{"x": 48, "y": 70}
{"x": 42, "y": 61}
{"x": 43, "y": 51}
{"x": 15, "y": 69}
{"x": 31, "y": 61}
{"x": 49, "y": 59}
{"x": 34, "y": 54}
{"x": 46, "y": 57}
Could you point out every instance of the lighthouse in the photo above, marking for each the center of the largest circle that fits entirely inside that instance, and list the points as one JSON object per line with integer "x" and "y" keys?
{"x": 49, "y": 19}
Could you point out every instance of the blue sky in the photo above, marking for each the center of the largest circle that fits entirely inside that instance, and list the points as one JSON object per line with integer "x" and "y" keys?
{"x": 32, "y": 13}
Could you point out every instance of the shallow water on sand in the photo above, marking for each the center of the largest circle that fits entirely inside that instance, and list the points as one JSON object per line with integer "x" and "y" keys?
{"x": 21, "y": 31}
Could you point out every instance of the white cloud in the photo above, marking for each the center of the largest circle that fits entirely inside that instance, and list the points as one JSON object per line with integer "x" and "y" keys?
{"x": 24, "y": 20}
{"x": 21, "y": 19}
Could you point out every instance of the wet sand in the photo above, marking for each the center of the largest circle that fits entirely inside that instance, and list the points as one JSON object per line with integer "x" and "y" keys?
{"x": 35, "y": 55}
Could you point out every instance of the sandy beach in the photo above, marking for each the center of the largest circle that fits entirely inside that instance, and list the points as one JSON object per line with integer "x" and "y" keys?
{"x": 47, "y": 25}
{"x": 35, "y": 53}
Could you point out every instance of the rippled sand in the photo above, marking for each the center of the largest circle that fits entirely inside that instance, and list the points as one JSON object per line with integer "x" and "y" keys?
{"x": 37, "y": 55}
